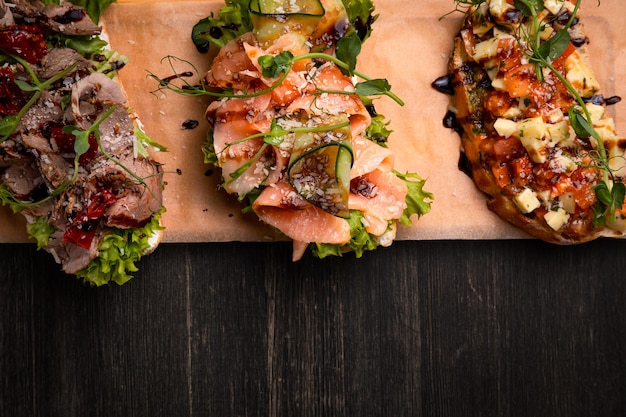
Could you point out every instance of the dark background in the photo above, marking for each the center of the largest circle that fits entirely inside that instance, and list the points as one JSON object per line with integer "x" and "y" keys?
{"x": 453, "y": 328}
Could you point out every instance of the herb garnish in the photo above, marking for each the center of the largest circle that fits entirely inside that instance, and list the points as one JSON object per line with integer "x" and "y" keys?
{"x": 277, "y": 67}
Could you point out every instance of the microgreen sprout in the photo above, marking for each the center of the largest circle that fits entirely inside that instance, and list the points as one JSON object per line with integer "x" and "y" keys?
{"x": 273, "y": 65}
{"x": 276, "y": 67}
{"x": 463, "y": 6}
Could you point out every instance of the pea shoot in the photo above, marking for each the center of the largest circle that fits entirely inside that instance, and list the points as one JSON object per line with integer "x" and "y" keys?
{"x": 278, "y": 67}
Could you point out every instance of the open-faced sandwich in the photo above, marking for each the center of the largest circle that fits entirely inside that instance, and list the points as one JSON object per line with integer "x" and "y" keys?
{"x": 293, "y": 128}
{"x": 73, "y": 158}
{"x": 537, "y": 138}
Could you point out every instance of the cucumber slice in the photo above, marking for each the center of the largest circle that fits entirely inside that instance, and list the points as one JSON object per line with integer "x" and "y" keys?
{"x": 272, "y": 18}
{"x": 319, "y": 169}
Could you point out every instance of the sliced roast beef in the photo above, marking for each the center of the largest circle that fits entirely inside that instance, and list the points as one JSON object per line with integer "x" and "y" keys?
{"x": 48, "y": 108}
{"x": 26, "y": 10}
{"x": 69, "y": 19}
{"x": 137, "y": 203}
{"x": 90, "y": 94}
{"x": 38, "y": 210}
{"x": 55, "y": 169}
{"x": 60, "y": 59}
{"x": 97, "y": 87}
{"x": 6, "y": 16}
{"x": 71, "y": 256}
{"x": 22, "y": 177}
{"x": 35, "y": 141}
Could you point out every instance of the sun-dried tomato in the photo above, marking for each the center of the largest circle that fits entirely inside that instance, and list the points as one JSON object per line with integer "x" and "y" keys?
{"x": 82, "y": 230}
{"x": 24, "y": 41}
{"x": 11, "y": 97}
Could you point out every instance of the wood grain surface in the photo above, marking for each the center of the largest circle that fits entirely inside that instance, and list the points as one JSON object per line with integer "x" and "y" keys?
{"x": 486, "y": 328}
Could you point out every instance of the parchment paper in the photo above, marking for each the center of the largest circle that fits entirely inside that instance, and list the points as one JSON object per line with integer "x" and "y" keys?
{"x": 409, "y": 46}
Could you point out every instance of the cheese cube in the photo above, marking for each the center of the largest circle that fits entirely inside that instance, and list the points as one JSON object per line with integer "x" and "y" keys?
{"x": 527, "y": 201}
{"x": 580, "y": 75}
{"x": 498, "y": 9}
{"x": 619, "y": 222}
{"x": 533, "y": 133}
{"x": 553, "y": 6}
{"x": 546, "y": 30}
{"x": 545, "y": 197}
{"x": 559, "y": 132}
{"x": 493, "y": 68}
{"x": 481, "y": 24}
{"x": 486, "y": 49}
{"x": 568, "y": 202}
{"x": 596, "y": 111}
{"x": 556, "y": 219}
{"x": 615, "y": 152}
{"x": 563, "y": 164}
{"x": 512, "y": 112}
{"x": 505, "y": 127}
{"x": 498, "y": 84}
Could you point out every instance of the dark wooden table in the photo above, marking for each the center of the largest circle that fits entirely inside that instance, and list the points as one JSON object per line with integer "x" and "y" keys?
{"x": 513, "y": 328}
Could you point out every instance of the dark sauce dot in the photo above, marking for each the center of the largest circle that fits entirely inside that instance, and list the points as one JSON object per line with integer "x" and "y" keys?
{"x": 464, "y": 165}
{"x": 203, "y": 48}
{"x": 216, "y": 32}
{"x": 597, "y": 99}
{"x": 117, "y": 65}
{"x": 563, "y": 17}
{"x": 179, "y": 171}
{"x": 232, "y": 26}
{"x": 451, "y": 122}
{"x": 231, "y": 215}
{"x": 371, "y": 110}
{"x": 612, "y": 100}
{"x": 208, "y": 173}
{"x": 513, "y": 16}
{"x": 190, "y": 124}
{"x": 443, "y": 84}
{"x": 362, "y": 28}
{"x": 73, "y": 15}
{"x": 39, "y": 193}
{"x": 578, "y": 42}
{"x": 166, "y": 80}
{"x": 88, "y": 226}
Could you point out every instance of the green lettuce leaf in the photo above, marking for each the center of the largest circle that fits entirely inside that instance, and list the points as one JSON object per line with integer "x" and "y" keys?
{"x": 40, "y": 230}
{"x": 232, "y": 20}
{"x": 360, "y": 14}
{"x": 360, "y": 240}
{"x": 118, "y": 252}
{"x": 377, "y": 131}
{"x": 84, "y": 45}
{"x": 418, "y": 201}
